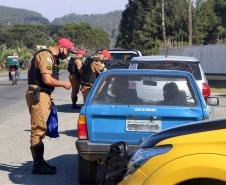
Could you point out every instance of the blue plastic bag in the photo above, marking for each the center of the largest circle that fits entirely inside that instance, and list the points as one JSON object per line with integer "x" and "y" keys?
{"x": 52, "y": 123}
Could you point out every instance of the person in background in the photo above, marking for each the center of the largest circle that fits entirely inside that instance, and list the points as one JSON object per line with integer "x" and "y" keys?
{"x": 74, "y": 68}
{"x": 43, "y": 77}
{"x": 14, "y": 65}
{"x": 92, "y": 67}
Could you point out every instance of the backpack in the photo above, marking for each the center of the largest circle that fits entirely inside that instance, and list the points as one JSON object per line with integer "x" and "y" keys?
{"x": 52, "y": 123}
{"x": 71, "y": 66}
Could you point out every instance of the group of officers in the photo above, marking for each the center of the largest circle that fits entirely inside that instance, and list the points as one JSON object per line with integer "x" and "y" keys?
{"x": 84, "y": 71}
{"x": 43, "y": 77}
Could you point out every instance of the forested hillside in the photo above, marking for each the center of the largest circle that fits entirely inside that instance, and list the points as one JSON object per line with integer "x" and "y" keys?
{"x": 108, "y": 22}
{"x": 22, "y": 31}
{"x": 11, "y": 16}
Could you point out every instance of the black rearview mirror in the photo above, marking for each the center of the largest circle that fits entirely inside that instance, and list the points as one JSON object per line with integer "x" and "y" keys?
{"x": 149, "y": 83}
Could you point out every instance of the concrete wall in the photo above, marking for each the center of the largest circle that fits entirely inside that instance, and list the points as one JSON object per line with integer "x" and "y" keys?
{"x": 212, "y": 57}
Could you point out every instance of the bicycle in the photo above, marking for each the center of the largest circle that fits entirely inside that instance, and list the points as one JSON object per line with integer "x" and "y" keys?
{"x": 13, "y": 77}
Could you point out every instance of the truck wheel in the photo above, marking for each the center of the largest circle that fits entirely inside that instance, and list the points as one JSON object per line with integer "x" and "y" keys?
{"x": 87, "y": 173}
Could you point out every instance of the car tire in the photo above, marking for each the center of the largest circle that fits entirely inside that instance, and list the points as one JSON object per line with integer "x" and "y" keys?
{"x": 87, "y": 171}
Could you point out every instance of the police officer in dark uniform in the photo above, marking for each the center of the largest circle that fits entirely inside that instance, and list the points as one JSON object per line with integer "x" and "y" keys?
{"x": 43, "y": 76}
{"x": 92, "y": 67}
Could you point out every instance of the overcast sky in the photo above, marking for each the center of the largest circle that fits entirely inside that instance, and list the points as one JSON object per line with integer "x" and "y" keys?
{"x": 57, "y": 8}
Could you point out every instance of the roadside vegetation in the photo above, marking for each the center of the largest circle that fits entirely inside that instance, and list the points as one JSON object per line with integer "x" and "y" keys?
{"x": 217, "y": 86}
{"x": 25, "y": 39}
{"x": 149, "y": 25}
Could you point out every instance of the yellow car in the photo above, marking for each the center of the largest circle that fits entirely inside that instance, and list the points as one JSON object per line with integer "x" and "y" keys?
{"x": 193, "y": 154}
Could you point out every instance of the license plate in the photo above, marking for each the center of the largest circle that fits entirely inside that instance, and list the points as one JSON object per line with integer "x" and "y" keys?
{"x": 143, "y": 125}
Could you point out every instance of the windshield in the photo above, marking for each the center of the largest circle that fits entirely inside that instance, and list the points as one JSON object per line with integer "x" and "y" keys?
{"x": 145, "y": 90}
{"x": 192, "y": 67}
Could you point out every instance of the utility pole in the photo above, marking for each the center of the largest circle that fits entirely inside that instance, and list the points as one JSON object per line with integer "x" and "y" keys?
{"x": 163, "y": 24}
{"x": 190, "y": 22}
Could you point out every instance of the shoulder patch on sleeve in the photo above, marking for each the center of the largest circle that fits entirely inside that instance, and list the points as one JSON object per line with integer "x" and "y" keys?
{"x": 49, "y": 67}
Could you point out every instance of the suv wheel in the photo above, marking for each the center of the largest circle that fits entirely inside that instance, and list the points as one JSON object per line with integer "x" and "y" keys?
{"x": 87, "y": 173}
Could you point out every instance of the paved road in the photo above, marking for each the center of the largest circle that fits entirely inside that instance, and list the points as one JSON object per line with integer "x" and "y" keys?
{"x": 15, "y": 157}
{"x": 220, "y": 111}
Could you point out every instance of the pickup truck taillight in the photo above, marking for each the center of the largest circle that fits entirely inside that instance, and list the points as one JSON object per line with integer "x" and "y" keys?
{"x": 206, "y": 90}
{"x": 82, "y": 128}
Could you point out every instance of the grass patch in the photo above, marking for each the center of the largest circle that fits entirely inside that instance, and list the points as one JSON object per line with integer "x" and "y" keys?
{"x": 218, "y": 90}
{"x": 217, "y": 86}
{"x": 3, "y": 71}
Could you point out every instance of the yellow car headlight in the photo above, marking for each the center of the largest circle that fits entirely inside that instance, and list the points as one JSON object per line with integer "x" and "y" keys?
{"x": 144, "y": 154}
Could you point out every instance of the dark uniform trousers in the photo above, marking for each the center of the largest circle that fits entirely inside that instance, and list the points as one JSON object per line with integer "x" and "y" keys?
{"x": 75, "y": 83}
{"x": 39, "y": 113}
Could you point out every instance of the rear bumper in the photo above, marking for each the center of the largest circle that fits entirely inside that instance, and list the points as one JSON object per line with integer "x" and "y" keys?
{"x": 97, "y": 151}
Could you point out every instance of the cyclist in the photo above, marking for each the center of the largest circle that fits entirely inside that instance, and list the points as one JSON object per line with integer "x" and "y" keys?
{"x": 13, "y": 64}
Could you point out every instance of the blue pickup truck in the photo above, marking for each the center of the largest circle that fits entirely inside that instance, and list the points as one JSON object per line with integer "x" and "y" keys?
{"x": 130, "y": 105}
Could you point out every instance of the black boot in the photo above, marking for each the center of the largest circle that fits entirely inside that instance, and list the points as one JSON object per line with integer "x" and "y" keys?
{"x": 40, "y": 166}
{"x": 42, "y": 150}
{"x": 74, "y": 103}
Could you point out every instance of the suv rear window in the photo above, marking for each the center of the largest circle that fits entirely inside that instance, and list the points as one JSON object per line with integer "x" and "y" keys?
{"x": 123, "y": 56}
{"x": 117, "y": 64}
{"x": 171, "y": 65}
{"x": 120, "y": 60}
{"x": 144, "y": 90}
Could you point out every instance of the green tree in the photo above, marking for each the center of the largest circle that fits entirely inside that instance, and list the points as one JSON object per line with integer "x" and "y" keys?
{"x": 206, "y": 22}
{"x": 84, "y": 36}
{"x": 2, "y": 55}
{"x": 140, "y": 26}
{"x": 220, "y": 10}
{"x": 24, "y": 54}
{"x": 24, "y": 36}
